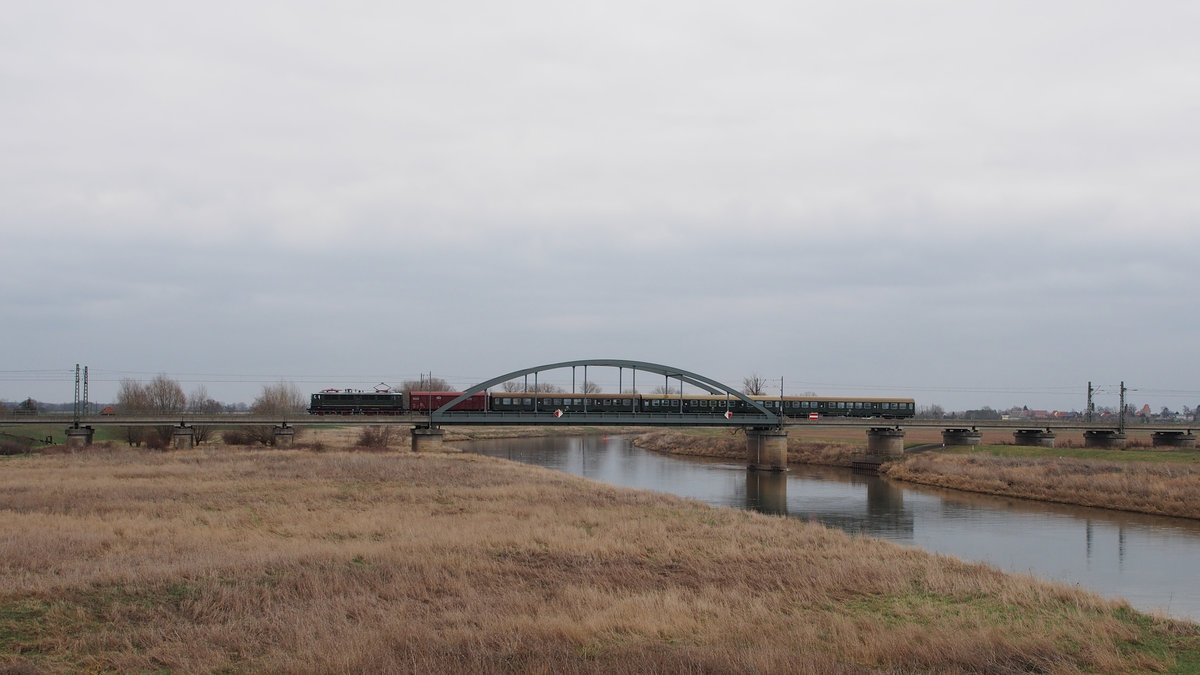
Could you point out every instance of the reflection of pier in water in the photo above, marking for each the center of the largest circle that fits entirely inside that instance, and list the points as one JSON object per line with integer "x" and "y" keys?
{"x": 883, "y": 515}
{"x": 766, "y": 492}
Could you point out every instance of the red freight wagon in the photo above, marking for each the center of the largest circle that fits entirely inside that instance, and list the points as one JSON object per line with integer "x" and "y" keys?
{"x": 425, "y": 401}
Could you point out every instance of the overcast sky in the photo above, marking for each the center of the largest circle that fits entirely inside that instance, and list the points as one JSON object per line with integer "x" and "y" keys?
{"x": 969, "y": 203}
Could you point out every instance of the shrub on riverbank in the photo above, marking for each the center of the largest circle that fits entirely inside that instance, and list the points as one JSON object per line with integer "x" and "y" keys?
{"x": 213, "y": 559}
{"x": 1171, "y": 489}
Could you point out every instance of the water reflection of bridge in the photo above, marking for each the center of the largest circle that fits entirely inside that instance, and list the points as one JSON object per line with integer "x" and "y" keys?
{"x": 884, "y": 513}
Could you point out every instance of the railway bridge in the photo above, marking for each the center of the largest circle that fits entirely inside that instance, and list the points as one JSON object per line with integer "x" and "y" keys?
{"x": 766, "y": 429}
{"x": 766, "y": 439}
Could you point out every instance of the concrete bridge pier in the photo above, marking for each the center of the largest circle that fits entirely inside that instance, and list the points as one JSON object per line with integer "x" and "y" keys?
{"x": 1034, "y": 437}
{"x": 766, "y": 449}
{"x": 283, "y": 435}
{"x": 1103, "y": 438}
{"x": 972, "y": 436}
{"x": 427, "y": 439}
{"x": 885, "y": 441}
{"x": 80, "y": 437}
{"x": 183, "y": 437}
{"x": 1174, "y": 439}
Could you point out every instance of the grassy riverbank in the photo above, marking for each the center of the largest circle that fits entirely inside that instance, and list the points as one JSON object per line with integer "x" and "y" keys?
{"x": 1161, "y": 483}
{"x": 259, "y": 560}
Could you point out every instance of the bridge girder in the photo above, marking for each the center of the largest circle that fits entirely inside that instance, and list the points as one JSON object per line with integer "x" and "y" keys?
{"x": 712, "y": 386}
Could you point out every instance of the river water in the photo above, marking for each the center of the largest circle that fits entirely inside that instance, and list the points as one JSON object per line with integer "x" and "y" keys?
{"x": 1148, "y": 560}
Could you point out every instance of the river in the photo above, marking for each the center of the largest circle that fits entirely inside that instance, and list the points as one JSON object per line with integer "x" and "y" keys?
{"x": 1147, "y": 560}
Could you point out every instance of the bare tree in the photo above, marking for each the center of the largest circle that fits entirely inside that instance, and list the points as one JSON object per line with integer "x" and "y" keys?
{"x": 754, "y": 385}
{"x": 665, "y": 389}
{"x": 160, "y": 396}
{"x": 200, "y": 402}
{"x": 426, "y": 384}
{"x": 279, "y": 398}
{"x": 165, "y": 395}
{"x": 282, "y": 399}
{"x": 590, "y": 387}
{"x": 132, "y": 399}
{"x": 932, "y": 412}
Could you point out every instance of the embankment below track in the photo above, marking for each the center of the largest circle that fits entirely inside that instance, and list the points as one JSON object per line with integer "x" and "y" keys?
{"x": 1158, "y": 483}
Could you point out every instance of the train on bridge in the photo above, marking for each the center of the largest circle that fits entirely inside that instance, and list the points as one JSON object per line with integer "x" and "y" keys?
{"x": 352, "y": 402}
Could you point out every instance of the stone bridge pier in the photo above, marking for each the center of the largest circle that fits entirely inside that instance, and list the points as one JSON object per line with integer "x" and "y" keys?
{"x": 284, "y": 435}
{"x": 1103, "y": 438}
{"x": 885, "y": 441}
{"x": 1174, "y": 439}
{"x": 80, "y": 437}
{"x": 183, "y": 437}
{"x": 970, "y": 436}
{"x": 766, "y": 449}
{"x": 1034, "y": 437}
{"x": 427, "y": 439}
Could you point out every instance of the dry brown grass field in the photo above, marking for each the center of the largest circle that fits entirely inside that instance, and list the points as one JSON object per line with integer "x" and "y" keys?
{"x": 244, "y": 560}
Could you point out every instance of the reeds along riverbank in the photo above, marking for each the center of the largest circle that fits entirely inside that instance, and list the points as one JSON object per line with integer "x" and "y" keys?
{"x": 1170, "y": 489}
{"x": 231, "y": 559}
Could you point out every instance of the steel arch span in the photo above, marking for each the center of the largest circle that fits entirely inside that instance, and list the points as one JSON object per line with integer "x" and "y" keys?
{"x": 763, "y": 417}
